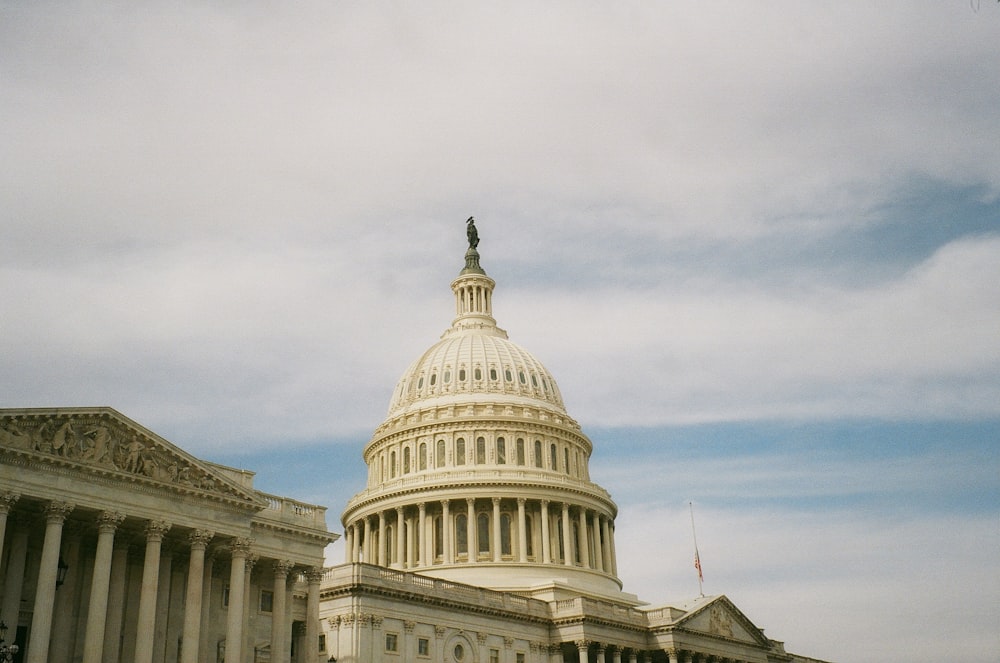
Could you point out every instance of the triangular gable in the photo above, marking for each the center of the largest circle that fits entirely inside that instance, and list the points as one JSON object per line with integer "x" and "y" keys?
{"x": 719, "y": 617}
{"x": 104, "y": 441}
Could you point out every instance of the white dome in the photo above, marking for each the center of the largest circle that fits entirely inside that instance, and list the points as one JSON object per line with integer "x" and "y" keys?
{"x": 472, "y": 363}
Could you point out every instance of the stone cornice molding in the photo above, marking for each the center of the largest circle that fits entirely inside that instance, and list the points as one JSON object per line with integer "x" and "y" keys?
{"x": 457, "y": 489}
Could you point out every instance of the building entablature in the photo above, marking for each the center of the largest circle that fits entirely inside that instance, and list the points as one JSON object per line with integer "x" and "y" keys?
{"x": 466, "y": 484}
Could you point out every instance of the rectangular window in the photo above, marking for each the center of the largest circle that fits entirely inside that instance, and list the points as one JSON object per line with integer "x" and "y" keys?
{"x": 520, "y": 657}
{"x": 494, "y": 656}
{"x": 266, "y": 600}
{"x": 391, "y": 642}
{"x": 225, "y": 595}
{"x": 322, "y": 641}
{"x": 423, "y": 647}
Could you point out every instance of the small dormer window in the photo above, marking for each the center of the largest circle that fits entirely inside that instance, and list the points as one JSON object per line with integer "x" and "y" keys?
{"x": 507, "y": 375}
{"x": 447, "y": 376}
{"x": 433, "y": 378}
{"x": 461, "y": 375}
{"x": 420, "y": 382}
{"x": 534, "y": 381}
{"x": 493, "y": 374}
{"x": 520, "y": 375}
{"x": 478, "y": 374}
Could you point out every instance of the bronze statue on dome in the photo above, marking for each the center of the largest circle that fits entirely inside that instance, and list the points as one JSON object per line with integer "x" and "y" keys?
{"x": 472, "y": 233}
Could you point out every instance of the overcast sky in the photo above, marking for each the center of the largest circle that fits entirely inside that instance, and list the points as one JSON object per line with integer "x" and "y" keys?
{"x": 758, "y": 245}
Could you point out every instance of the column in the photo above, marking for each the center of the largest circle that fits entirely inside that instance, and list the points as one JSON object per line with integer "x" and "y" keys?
{"x": 97, "y": 612}
{"x": 606, "y": 544}
{"x": 116, "y": 601}
{"x": 412, "y": 538}
{"x": 672, "y": 655}
{"x": 191, "y": 637}
{"x": 470, "y": 529}
{"x": 14, "y": 581}
{"x": 567, "y": 541}
{"x": 614, "y": 554}
{"x": 426, "y": 554}
{"x": 582, "y": 646}
{"x": 616, "y": 657}
{"x": 7, "y": 502}
{"x": 600, "y": 653}
{"x": 632, "y": 656}
{"x": 155, "y": 531}
{"x": 522, "y": 531}
{"x": 598, "y": 542}
{"x": 248, "y": 606}
{"x": 279, "y": 623}
{"x": 546, "y": 542}
{"x": 449, "y": 550}
{"x": 164, "y": 577}
{"x": 45, "y": 592}
{"x": 356, "y": 534}
{"x": 349, "y": 544}
{"x": 313, "y": 577}
{"x": 381, "y": 538}
{"x": 206, "y": 647}
{"x": 555, "y": 654}
{"x": 400, "y": 539}
{"x": 369, "y": 554}
{"x": 496, "y": 529}
{"x": 240, "y": 548}
{"x": 582, "y": 539}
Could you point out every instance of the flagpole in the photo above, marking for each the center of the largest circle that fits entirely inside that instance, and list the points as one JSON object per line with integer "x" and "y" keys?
{"x": 697, "y": 558}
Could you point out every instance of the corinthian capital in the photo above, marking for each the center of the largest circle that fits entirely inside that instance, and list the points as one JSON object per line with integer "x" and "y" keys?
{"x": 57, "y": 511}
{"x": 108, "y": 521}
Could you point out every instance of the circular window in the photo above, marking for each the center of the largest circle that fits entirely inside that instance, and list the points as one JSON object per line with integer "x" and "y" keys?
{"x": 459, "y": 653}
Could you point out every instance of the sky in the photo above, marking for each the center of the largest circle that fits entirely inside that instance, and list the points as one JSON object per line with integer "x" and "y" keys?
{"x": 757, "y": 244}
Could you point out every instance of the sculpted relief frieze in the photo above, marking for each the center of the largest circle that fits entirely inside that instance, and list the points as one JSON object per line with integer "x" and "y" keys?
{"x": 103, "y": 442}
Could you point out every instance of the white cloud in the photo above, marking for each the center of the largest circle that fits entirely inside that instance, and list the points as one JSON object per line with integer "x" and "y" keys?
{"x": 812, "y": 577}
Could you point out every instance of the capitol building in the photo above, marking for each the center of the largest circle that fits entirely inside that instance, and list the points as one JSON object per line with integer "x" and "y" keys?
{"x": 480, "y": 536}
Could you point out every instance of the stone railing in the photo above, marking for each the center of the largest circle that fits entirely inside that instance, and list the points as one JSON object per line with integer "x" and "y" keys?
{"x": 582, "y": 607}
{"x": 412, "y": 583}
{"x": 291, "y": 511}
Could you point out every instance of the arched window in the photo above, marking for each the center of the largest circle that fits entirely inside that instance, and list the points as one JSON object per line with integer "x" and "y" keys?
{"x": 438, "y": 536}
{"x": 480, "y": 451}
{"x": 439, "y": 455}
{"x": 520, "y": 451}
{"x": 553, "y": 458}
{"x": 538, "y": 453}
{"x": 501, "y": 451}
{"x": 392, "y": 465}
{"x": 460, "y": 451}
{"x": 461, "y": 534}
{"x": 483, "y": 532}
{"x": 406, "y": 460}
{"x": 422, "y": 456}
{"x": 505, "y": 534}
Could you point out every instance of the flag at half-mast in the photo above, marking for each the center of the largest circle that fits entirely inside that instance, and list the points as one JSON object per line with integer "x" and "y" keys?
{"x": 697, "y": 565}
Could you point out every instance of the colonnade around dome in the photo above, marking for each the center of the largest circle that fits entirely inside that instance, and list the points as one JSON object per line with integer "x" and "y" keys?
{"x": 476, "y": 531}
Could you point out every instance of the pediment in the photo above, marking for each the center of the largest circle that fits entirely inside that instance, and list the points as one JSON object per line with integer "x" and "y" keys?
{"x": 103, "y": 441}
{"x": 719, "y": 617}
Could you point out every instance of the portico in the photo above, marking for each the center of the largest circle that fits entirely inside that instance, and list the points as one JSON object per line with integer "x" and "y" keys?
{"x": 119, "y": 546}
